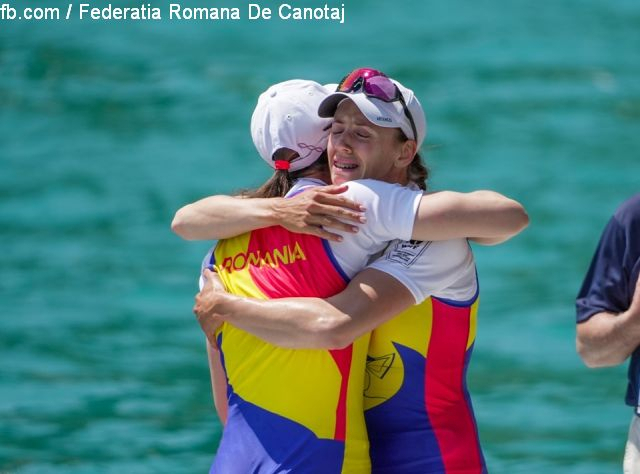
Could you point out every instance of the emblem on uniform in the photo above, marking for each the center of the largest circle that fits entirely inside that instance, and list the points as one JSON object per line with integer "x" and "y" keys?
{"x": 406, "y": 252}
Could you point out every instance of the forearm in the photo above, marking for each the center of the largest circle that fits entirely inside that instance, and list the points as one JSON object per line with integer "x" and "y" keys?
{"x": 221, "y": 217}
{"x": 288, "y": 322}
{"x": 490, "y": 240}
{"x": 607, "y": 339}
{"x": 370, "y": 299}
{"x": 218, "y": 383}
{"x": 486, "y": 216}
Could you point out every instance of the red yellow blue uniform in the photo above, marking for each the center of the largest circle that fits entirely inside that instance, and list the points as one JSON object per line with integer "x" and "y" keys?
{"x": 298, "y": 411}
{"x": 289, "y": 410}
{"x": 417, "y": 406}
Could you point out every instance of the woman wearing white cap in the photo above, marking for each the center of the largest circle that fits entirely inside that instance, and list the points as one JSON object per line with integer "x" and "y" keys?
{"x": 390, "y": 211}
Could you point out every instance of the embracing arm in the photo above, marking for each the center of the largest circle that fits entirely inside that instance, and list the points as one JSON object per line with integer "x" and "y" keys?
{"x": 486, "y": 217}
{"x": 370, "y": 299}
{"x": 607, "y": 339}
{"x": 218, "y": 382}
{"x": 222, "y": 217}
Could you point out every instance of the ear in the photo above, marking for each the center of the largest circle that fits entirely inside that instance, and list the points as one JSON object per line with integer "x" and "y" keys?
{"x": 407, "y": 153}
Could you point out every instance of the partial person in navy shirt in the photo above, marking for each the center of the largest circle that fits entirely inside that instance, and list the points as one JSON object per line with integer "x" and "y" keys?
{"x": 608, "y": 311}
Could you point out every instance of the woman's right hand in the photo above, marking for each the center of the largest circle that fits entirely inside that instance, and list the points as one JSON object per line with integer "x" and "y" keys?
{"x": 315, "y": 210}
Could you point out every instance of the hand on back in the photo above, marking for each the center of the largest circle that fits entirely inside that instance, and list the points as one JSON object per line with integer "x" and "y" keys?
{"x": 205, "y": 305}
{"x": 320, "y": 208}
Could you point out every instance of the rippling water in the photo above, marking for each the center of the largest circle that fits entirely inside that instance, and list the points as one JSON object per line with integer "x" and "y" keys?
{"x": 107, "y": 128}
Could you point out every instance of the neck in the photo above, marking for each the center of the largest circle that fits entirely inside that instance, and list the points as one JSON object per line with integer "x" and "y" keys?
{"x": 397, "y": 176}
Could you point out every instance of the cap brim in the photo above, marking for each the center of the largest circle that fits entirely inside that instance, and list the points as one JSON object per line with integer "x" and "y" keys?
{"x": 377, "y": 112}
{"x": 328, "y": 106}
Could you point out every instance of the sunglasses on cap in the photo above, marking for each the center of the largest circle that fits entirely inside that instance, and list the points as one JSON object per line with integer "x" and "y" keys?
{"x": 377, "y": 85}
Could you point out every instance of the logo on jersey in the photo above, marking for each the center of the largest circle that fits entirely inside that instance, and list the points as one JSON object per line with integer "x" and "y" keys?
{"x": 407, "y": 252}
{"x": 285, "y": 255}
{"x": 379, "y": 366}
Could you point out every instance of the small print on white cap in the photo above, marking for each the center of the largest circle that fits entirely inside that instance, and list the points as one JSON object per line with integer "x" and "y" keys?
{"x": 286, "y": 116}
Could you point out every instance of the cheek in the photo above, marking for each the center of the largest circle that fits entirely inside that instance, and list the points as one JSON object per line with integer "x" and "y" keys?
{"x": 330, "y": 146}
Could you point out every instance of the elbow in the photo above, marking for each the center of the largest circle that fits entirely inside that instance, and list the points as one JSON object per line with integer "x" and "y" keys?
{"x": 523, "y": 218}
{"x": 587, "y": 357}
{"x": 510, "y": 216}
{"x": 594, "y": 359}
{"x": 179, "y": 225}
{"x": 332, "y": 333}
{"x": 519, "y": 217}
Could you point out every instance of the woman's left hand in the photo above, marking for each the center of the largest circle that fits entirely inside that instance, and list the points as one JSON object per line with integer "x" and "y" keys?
{"x": 206, "y": 302}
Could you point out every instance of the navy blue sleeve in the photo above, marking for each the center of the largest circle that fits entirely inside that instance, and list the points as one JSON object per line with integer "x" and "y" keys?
{"x": 611, "y": 279}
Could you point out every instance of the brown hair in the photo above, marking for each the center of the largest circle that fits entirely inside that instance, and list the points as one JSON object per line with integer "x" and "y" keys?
{"x": 282, "y": 180}
{"x": 417, "y": 173}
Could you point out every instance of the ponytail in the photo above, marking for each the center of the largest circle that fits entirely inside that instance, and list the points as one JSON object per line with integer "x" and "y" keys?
{"x": 418, "y": 173}
{"x": 282, "y": 180}
{"x": 277, "y": 186}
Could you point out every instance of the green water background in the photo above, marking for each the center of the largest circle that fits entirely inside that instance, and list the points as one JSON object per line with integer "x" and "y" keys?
{"x": 106, "y": 128}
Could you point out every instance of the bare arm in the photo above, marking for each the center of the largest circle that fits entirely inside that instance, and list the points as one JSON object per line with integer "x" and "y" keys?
{"x": 607, "y": 339}
{"x": 370, "y": 299}
{"x": 218, "y": 383}
{"x": 486, "y": 217}
{"x": 221, "y": 217}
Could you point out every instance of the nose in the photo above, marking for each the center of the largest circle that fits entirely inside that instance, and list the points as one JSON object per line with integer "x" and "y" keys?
{"x": 341, "y": 141}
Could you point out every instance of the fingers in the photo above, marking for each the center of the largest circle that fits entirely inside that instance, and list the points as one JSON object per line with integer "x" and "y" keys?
{"x": 216, "y": 282}
{"x": 207, "y": 274}
{"x": 208, "y": 324}
{"x": 332, "y": 188}
{"x": 212, "y": 279}
{"x": 341, "y": 213}
{"x": 327, "y": 195}
{"x": 322, "y": 233}
{"x": 328, "y": 222}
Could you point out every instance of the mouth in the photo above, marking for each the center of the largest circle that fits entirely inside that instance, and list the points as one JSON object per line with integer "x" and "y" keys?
{"x": 345, "y": 166}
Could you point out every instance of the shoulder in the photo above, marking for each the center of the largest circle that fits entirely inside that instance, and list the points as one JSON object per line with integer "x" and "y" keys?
{"x": 628, "y": 213}
{"x": 372, "y": 188}
{"x": 429, "y": 255}
{"x": 623, "y": 229}
{"x": 375, "y": 185}
{"x": 445, "y": 268}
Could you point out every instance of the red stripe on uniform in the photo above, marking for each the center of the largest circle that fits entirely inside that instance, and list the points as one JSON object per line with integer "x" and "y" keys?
{"x": 283, "y": 264}
{"x": 450, "y": 416}
{"x": 343, "y": 361}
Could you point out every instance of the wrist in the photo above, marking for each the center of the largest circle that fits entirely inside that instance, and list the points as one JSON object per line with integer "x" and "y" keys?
{"x": 274, "y": 210}
{"x": 223, "y": 309}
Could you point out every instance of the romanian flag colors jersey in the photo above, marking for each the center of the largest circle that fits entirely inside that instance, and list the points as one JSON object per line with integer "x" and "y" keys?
{"x": 301, "y": 411}
{"x": 417, "y": 406}
{"x": 297, "y": 411}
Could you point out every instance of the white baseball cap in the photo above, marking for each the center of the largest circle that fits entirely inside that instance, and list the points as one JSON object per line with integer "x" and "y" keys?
{"x": 381, "y": 113}
{"x": 286, "y": 116}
